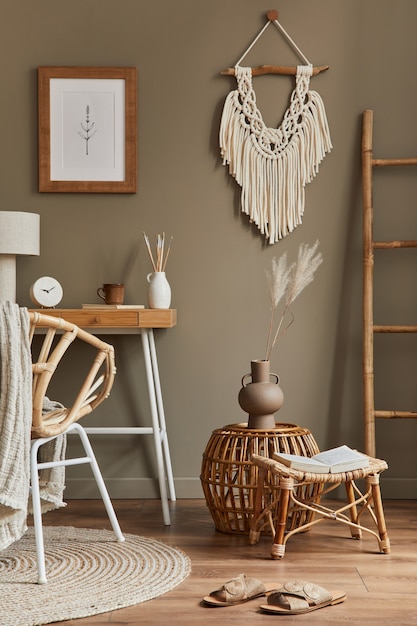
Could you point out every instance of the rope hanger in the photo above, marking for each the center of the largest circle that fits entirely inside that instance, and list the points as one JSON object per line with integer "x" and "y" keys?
{"x": 272, "y": 16}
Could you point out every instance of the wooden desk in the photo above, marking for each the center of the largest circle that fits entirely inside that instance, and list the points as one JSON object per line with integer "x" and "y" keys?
{"x": 143, "y": 321}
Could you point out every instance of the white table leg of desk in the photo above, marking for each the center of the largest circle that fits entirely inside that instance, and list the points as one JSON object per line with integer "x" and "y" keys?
{"x": 155, "y": 424}
{"x": 161, "y": 414}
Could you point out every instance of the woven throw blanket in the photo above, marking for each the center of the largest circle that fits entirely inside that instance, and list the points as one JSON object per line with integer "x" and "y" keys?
{"x": 15, "y": 428}
{"x": 15, "y": 421}
{"x": 52, "y": 480}
{"x": 273, "y": 165}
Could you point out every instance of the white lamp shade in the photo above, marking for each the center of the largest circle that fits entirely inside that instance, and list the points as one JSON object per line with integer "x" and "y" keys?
{"x": 19, "y": 233}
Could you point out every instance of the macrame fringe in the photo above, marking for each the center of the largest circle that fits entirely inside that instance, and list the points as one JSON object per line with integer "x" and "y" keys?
{"x": 273, "y": 183}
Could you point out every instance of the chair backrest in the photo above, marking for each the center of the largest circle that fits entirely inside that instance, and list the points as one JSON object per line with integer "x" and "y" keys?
{"x": 56, "y": 336}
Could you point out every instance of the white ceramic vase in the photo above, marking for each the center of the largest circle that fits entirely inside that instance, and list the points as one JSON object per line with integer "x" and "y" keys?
{"x": 159, "y": 291}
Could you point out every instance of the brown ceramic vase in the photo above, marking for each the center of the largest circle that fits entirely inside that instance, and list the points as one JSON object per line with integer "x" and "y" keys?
{"x": 261, "y": 397}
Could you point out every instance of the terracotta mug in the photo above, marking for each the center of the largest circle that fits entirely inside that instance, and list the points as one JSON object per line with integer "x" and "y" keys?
{"x": 112, "y": 293}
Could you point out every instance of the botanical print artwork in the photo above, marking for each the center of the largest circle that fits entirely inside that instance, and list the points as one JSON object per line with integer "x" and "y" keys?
{"x": 88, "y": 129}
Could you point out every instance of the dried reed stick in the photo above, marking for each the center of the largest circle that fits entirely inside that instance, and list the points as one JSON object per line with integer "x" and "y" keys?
{"x": 168, "y": 251}
{"x": 161, "y": 257}
{"x": 149, "y": 250}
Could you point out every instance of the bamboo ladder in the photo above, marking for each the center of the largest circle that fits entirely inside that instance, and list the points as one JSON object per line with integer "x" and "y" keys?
{"x": 369, "y": 245}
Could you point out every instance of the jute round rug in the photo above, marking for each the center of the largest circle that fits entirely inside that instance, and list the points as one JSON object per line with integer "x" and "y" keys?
{"x": 88, "y": 571}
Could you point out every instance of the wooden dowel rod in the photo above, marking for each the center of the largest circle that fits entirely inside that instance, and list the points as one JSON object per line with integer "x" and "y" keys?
{"x": 384, "y": 162}
{"x": 383, "y": 245}
{"x": 396, "y": 414}
{"x": 274, "y": 69}
{"x": 394, "y": 329}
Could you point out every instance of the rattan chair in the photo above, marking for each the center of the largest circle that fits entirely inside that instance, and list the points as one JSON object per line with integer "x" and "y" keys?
{"x": 56, "y": 336}
{"x": 286, "y": 499}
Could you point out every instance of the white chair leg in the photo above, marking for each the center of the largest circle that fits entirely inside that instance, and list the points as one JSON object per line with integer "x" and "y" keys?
{"x": 37, "y": 511}
{"x": 99, "y": 480}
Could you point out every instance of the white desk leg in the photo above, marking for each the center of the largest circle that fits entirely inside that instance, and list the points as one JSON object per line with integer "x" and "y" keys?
{"x": 155, "y": 425}
{"x": 162, "y": 422}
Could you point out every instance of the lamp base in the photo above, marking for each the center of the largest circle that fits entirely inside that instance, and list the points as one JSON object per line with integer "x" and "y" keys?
{"x": 8, "y": 277}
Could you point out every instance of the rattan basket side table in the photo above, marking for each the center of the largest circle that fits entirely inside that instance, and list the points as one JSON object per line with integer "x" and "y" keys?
{"x": 349, "y": 513}
{"x": 229, "y": 478}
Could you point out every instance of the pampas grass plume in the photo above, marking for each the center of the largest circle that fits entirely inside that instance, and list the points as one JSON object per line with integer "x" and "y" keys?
{"x": 288, "y": 282}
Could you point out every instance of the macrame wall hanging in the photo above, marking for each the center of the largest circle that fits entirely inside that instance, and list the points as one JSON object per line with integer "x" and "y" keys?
{"x": 273, "y": 165}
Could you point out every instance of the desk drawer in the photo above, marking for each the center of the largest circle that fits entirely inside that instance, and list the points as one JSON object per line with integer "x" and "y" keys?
{"x": 104, "y": 319}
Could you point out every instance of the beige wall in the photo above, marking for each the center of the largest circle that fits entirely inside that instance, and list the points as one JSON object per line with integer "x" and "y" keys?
{"x": 216, "y": 267}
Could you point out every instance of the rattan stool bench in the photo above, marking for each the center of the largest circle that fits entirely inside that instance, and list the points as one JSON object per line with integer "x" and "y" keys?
{"x": 287, "y": 498}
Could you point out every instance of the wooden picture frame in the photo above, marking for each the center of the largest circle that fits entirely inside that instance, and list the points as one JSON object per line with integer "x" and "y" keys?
{"x": 87, "y": 129}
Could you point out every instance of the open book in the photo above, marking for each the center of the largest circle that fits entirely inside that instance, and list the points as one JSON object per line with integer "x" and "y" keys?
{"x": 341, "y": 459}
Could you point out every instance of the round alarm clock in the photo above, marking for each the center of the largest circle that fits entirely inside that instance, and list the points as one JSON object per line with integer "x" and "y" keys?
{"x": 46, "y": 292}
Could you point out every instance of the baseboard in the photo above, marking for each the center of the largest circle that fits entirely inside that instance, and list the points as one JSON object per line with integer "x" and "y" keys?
{"x": 125, "y": 488}
{"x": 398, "y": 488}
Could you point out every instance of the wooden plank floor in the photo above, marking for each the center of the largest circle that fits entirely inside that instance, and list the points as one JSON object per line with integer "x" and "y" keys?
{"x": 381, "y": 589}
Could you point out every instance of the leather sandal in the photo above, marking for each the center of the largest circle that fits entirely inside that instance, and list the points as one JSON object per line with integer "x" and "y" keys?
{"x": 236, "y": 591}
{"x": 298, "y": 596}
